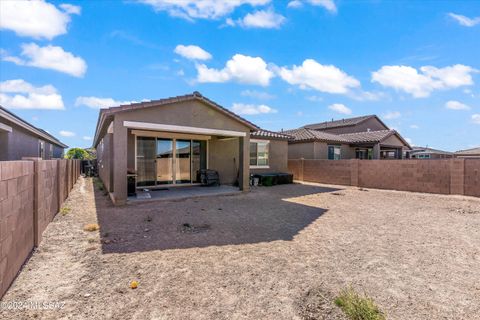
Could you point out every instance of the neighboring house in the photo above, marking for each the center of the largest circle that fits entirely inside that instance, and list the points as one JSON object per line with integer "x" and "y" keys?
{"x": 365, "y": 137}
{"x": 468, "y": 153}
{"x": 19, "y": 139}
{"x": 166, "y": 142}
{"x": 428, "y": 153}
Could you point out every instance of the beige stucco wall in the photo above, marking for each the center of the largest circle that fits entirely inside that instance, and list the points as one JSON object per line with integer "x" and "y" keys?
{"x": 223, "y": 156}
{"x": 277, "y": 157}
{"x": 317, "y": 150}
{"x": 301, "y": 150}
{"x": 392, "y": 141}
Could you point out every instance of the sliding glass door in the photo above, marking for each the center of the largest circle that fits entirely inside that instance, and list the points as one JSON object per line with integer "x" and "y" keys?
{"x": 183, "y": 161}
{"x": 146, "y": 171}
{"x": 169, "y": 161}
{"x": 199, "y": 158}
{"x": 164, "y": 161}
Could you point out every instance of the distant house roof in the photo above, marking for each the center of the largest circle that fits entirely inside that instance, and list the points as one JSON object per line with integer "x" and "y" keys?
{"x": 340, "y": 123}
{"x": 426, "y": 150}
{"x": 469, "y": 152}
{"x": 306, "y": 135}
{"x": 10, "y": 116}
{"x": 264, "y": 134}
{"x": 108, "y": 113}
{"x": 368, "y": 136}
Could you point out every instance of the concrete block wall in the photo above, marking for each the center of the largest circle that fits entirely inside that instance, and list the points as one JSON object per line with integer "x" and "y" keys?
{"x": 326, "y": 171}
{"x": 443, "y": 176}
{"x": 16, "y": 218}
{"x": 31, "y": 194}
{"x": 472, "y": 177}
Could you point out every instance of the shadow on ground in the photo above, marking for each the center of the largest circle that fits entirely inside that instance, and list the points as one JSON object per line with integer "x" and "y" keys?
{"x": 263, "y": 215}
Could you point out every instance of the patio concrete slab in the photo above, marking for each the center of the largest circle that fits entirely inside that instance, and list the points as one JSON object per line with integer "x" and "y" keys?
{"x": 181, "y": 193}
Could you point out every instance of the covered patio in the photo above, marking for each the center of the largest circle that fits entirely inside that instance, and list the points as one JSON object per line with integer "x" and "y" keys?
{"x": 164, "y": 144}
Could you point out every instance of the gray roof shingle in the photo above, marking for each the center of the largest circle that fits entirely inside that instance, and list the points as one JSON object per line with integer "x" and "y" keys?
{"x": 304, "y": 135}
{"x": 368, "y": 136}
{"x": 338, "y": 123}
{"x": 472, "y": 151}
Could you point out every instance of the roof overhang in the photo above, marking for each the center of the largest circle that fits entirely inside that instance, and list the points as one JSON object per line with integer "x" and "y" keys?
{"x": 4, "y": 127}
{"x": 182, "y": 129}
{"x": 25, "y": 125}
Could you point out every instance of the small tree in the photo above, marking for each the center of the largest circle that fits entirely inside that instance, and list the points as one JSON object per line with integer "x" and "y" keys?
{"x": 77, "y": 153}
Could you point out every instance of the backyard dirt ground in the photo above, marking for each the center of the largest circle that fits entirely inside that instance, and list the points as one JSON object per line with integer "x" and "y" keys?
{"x": 275, "y": 253}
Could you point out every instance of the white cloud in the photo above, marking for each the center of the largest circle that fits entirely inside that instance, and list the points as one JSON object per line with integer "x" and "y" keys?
{"x": 265, "y": 19}
{"x": 456, "y": 105}
{"x": 414, "y": 126}
{"x": 99, "y": 103}
{"x": 340, "y": 108}
{"x": 392, "y": 115}
{"x": 324, "y": 78}
{"x": 465, "y": 21}
{"x": 476, "y": 118}
{"x": 65, "y": 133}
{"x": 200, "y": 9}
{"x": 252, "y": 109}
{"x": 37, "y": 19}
{"x": 257, "y": 94}
{"x": 50, "y": 57}
{"x": 70, "y": 8}
{"x": 192, "y": 52}
{"x": 19, "y": 94}
{"x": 295, "y": 4}
{"x": 241, "y": 68}
{"x": 409, "y": 141}
{"x": 421, "y": 84}
{"x": 327, "y": 4}
{"x": 87, "y": 138}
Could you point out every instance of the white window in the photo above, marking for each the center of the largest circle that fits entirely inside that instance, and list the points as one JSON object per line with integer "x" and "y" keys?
{"x": 259, "y": 153}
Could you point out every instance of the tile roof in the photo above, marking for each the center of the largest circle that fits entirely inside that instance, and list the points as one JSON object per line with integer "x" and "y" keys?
{"x": 270, "y": 134}
{"x": 338, "y": 123}
{"x": 473, "y": 151}
{"x": 304, "y": 134}
{"x": 368, "y": 136}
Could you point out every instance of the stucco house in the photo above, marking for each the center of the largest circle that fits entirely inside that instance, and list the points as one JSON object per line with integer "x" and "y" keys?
{"x": 468, "y": 153}
{"x": 20, "y": 139}
{"x": 365, "y": 137}
{"x": 166, "y": 142}
{"x": 428, "y": 153}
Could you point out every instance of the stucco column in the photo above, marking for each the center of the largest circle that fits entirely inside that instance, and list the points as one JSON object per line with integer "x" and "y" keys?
{"x": 244, "y": 163}
{"x": 119, "y": 162}
{"x": 376, "y": 151}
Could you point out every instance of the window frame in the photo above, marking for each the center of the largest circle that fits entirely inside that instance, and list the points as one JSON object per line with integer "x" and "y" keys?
{"x": 257, "y": 142}
{"x": 334, "y": 146}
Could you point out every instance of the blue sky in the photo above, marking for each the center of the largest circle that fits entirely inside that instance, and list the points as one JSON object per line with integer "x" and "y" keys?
{"x": 281, "y": 64}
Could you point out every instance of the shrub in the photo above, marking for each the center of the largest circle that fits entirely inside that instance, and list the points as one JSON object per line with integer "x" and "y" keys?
{"x": 358, "y": 307}
{"x": 91, "y": 227}
{"x": 65, "y": 210}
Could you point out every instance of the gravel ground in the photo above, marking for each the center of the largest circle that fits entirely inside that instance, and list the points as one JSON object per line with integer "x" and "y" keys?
{"x": 275, "y": 253}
